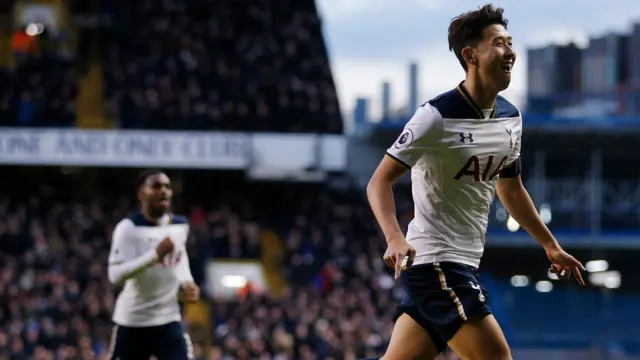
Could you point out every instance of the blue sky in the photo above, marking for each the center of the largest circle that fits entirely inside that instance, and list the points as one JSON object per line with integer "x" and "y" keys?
{"x": 373, "y": 40}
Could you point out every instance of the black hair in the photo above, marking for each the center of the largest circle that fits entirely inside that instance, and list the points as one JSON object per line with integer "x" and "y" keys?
{"x": 466, "y": 29}
{"x": 143, "y": 176}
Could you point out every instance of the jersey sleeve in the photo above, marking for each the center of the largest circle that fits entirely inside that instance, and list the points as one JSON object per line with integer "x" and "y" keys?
{"x": 122, "y": 248}
{"x": 124, "y": 260}
{"x": 183, "y": 270}
{"x": 514, "y": 167}
{"x": 423, "y": 131}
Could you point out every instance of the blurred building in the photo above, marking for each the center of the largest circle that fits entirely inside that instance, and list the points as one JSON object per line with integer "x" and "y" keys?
{"x": 553, "y": 69}
{"x": 552, "y": 72}
{"x": 569, "y": 85}
{"x": 634, "y": 58}
{"x": 605, "y": 64}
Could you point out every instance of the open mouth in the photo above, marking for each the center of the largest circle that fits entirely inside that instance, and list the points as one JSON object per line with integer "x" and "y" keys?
{"x": 163, "y": 201}
{"x": 507, "y": 67}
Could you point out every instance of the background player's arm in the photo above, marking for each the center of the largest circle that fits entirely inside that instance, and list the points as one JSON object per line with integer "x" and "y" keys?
{"x": 183, "y": 271}
{"x": 124, "y": 262}
{"x": 189, "y": 291}
{"x": 421, "y": 132}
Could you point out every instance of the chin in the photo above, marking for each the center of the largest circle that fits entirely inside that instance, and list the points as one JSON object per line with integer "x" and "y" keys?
{"x": 161, "y": 209}
{"x": 504, "y": 85}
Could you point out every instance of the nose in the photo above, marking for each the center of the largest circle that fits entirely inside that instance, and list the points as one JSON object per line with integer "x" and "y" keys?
{"x": 510, "y": 52}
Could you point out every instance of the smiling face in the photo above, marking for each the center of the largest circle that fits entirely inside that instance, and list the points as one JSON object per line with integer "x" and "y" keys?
{"x": 155, "y": 194}
{"x": 493, "y": 57}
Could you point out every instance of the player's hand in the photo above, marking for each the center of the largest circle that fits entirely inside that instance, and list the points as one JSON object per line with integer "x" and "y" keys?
{"x": 397, "y": 250}
{"x": 190, "y": 293}
{"x": 563, "y": 265}
{"x": 164, "y": 247}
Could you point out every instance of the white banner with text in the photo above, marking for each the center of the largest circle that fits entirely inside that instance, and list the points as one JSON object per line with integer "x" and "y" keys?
{"x": 171, "y": 149}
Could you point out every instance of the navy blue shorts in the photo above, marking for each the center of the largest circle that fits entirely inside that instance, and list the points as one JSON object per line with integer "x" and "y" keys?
{"x": 440, "y": 297}
{"x": 166, "y": 342}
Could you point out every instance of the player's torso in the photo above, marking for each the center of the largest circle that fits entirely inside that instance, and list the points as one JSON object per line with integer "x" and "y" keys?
{"x": 161, "y": 275}
{"x": 454, "y": 182}
{"x": 150, "y": 298}
{"x": 474, "y": 151}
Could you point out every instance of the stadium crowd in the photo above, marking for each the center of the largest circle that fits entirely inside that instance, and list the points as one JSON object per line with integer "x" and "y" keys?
{"x": 203, "y": 64}
{"x": 224, "y": 65}
{"x": 56, "y": 302}
{"x": 39, "y": 92}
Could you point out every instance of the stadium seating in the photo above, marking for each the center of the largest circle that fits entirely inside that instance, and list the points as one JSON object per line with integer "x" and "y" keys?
{"x": 39, "y": 91}
{"x": 220, "y": 65}
{"x": 205, "y": 65}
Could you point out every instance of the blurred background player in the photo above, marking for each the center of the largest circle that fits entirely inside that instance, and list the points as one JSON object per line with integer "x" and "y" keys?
{"x": 460, "y": 147}
{"x": 273, "y": 181}
{"x": 149, "y": 256}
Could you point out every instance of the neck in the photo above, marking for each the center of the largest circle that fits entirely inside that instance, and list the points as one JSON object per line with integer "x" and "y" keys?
{"x": 483, "y": 94}
{"x": 151, "y": 215}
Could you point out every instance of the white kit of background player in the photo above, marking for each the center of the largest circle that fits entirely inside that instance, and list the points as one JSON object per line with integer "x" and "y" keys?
{"x": 150, "y": 297}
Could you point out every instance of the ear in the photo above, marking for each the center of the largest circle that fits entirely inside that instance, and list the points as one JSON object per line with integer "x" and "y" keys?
{"x": 469, "y": 55}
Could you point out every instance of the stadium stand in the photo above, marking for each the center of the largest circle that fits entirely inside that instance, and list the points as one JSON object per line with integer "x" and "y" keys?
{"x": 198, "y": 65}
{"x": 39, "y": 91}
{"x": 221, "y": 65}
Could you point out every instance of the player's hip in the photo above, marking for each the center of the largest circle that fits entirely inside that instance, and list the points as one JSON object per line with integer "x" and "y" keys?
{"x": 441, "y": 296}
{"x": 462, "y": 259}
{"x": 430, "y": 249}
{"x": 429, "y": 282}
{"x": 146, "y": 317}
{"x": 447, "y": 229}
{"x": 168, "y": 341}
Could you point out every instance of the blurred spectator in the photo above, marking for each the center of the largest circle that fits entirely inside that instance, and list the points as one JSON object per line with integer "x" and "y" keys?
{"x": 24, "y": 43}
{"x": 203, "y": 64}
{"x": 41, "y": 91}
{"x": 221, "y": 65}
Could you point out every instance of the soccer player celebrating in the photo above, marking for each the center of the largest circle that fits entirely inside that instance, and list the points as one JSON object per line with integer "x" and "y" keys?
{"x": 148, "y": 255}
{"x": 461, "y": 146}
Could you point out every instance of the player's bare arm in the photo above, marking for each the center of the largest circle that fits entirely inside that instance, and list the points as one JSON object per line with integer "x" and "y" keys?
{"x": 381, "y": 200}
{"x": 516, "y": 200}
{"x": 189, "y": 290}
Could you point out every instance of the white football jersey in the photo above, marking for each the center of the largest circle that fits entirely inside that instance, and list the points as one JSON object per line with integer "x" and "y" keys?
{"x": 149, "y": 298}
{"x": 456, "y": 152}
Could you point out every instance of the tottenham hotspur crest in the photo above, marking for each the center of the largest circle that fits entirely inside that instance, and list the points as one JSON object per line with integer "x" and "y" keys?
{"x": 481, "y": 296}
{"x": 509, "y": 132}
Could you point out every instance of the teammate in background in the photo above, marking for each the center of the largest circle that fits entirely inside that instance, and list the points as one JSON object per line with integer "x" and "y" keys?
{"x": 148, "y": 255}
{"x": 460, "y": 147}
